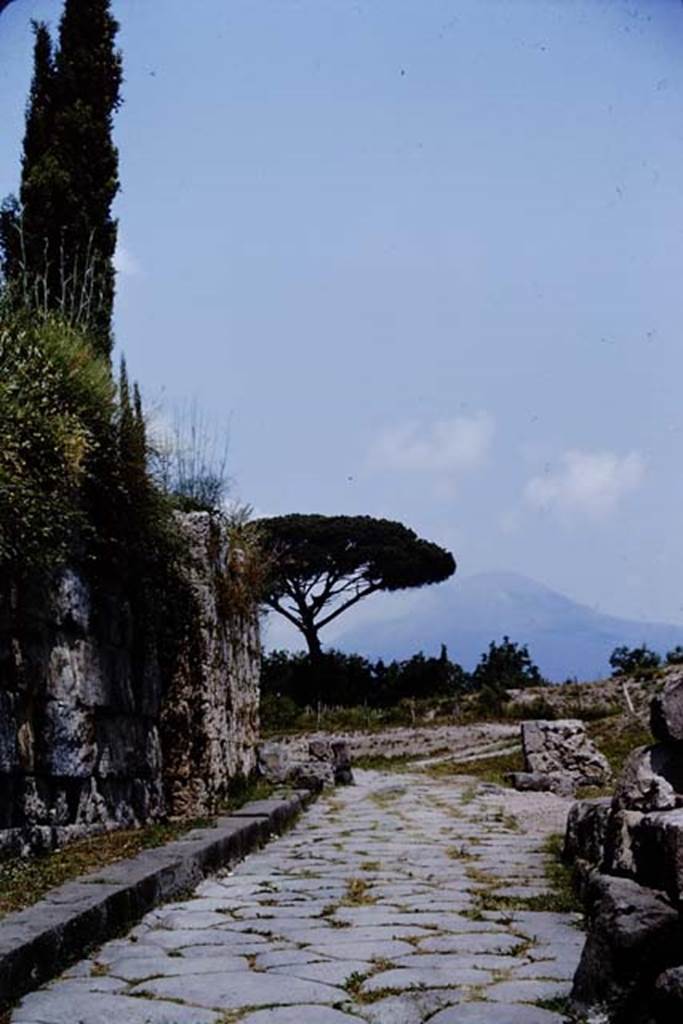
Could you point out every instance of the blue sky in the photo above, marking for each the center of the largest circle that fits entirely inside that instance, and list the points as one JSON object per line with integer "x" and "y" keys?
{"x": 423, "y": 257}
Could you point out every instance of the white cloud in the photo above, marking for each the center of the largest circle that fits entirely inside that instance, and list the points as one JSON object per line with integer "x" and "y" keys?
{"x": 446, "y": 447}
{"x": 589, "y": 483}
{"x": 125, "y": 263}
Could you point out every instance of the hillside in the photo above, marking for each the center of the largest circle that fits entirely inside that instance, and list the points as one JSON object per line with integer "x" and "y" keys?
{"x": 565, "y": 638}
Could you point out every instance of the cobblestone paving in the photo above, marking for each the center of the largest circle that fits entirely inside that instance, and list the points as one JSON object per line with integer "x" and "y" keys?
{"x": 369, "y": 910}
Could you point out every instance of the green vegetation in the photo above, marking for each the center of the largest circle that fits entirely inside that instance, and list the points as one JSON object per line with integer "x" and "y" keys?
{"x": 360, "y": 694}
{"x": 675, "y": 655}
{"x": 323, "y": 565}
{"x": 365, "y": 695}
{"x": 79, "y": 482}
{"x": 561, "y": 897}
{"x": 505, "y": 666}
{"x": 24, "y": 881}
{"x": 616, "y": 740}
{"x": 488, "y": 769}
{"x": 639, "y": 662}
{"x": 58, "y": 239}
{"x": 556, "y": 1004}
{"x": 190, "y": 461}
{"x": 57, "y": 407}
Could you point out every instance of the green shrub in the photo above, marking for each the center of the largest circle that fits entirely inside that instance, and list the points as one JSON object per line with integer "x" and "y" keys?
{"x": 639, "y": 662}
{"x": 278, "y": 713}
{"x": 675, "y": 655}
{"x": 537, "y": 708}
{"x": 56, "y": 404}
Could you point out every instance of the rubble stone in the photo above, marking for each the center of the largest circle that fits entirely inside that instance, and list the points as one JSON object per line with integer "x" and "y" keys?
{"x": 563, "y": 746}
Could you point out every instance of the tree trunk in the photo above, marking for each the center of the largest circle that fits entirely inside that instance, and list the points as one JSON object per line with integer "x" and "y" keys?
{"x": 315, "y": 653}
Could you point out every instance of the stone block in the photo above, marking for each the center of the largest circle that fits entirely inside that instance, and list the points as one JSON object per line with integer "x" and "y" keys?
{"x": 67, "y": 746}
{"x": 651, "y": 778}
{"x": 620, "y": 842}
{"x": 587, "y": 830}
{"x": 9, "y": 754}
{"x": 543, "y": 782}
{"x": 72, "y": 604}
{"x": 341, "y": 760}
{"x": 666, "y": 710}
{"x": 37, "y": 943}
{"x": 320, "y": 750}
{"x": 633, "y": 933}
{"x": 668, "y": 996}
{"x": 273, "y": 762}
{"x": 564, "y": 747}
{"x": 313, "y": 775}
{"x": 280, "y": 813}
{"x": 125, "y": 748}
{"x": 658, "y": 851}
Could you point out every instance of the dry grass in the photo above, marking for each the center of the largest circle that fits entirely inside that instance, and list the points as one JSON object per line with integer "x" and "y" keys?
{"x": 488, "y": 769}
{"x": 25, "y": 881}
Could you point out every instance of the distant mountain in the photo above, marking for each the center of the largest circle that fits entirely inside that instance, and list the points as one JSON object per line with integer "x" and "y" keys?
{"x": 565, "y": 639}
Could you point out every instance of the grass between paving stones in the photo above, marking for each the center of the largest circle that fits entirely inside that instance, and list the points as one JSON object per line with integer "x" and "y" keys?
{"x": 557, "y": 1004}
{"x": 561, "y": 897}
{"x": 357, "y": 895}
{"x": 25, "y": 881}
{"x": 459, "y": 853}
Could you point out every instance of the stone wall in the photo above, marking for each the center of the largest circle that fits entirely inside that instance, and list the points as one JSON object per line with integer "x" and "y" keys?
{"x": 92, "y": 736}
{"x": 628, "y": 854}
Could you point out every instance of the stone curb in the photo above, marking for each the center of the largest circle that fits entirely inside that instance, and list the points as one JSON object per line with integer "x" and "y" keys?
{"x": 38, "y": 943}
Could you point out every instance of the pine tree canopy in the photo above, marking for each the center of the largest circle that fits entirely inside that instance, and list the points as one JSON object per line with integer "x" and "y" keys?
{"x": 322, "y": 565}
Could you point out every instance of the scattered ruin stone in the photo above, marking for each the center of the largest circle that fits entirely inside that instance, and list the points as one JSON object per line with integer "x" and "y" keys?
{"x": 635, "y": 926}
{"x": 587, "y": 830}
{"x": 659, "y": 852}
{"x": 273, "y": 762}
{"x": 633, "y": 933}
{"x": 666, "y": 711}
{"x": 564, "y": 747}
{"x": 313, "y": 775}
{"x": 341, "y": 759}
{"x": 650, "y": 779}
{"x": 320, "y": 750}
{"x": 668, "y": 1004}
{"x": 324, "y": 763}
{"x": 538, "y": 782}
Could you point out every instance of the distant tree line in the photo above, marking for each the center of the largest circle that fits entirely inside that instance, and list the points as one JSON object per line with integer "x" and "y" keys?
{"x": 349, "y": 680}
{"x": 641, "y": 662}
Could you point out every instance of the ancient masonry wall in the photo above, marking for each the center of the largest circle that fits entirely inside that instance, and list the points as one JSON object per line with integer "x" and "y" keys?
{"x": 628, "y": 853}
{"x": 91, "y": 740}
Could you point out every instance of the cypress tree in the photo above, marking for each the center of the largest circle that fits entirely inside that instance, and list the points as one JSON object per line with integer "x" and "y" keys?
{"x": 22, "y": 234}
{"x": 70, "y": 173}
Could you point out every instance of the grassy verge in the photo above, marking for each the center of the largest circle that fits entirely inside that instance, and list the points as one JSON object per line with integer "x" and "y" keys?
{"x": 488, "y": 769}
{"x": 24, "y": 881}
{"x": 617, "y": 740}
{"x": 381, "y": 762}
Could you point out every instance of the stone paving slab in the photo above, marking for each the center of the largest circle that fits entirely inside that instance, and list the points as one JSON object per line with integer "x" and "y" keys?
{"x": 36, "y": 943}
{"x": 484, "y": 1013}
{"x": 369, "y": 911}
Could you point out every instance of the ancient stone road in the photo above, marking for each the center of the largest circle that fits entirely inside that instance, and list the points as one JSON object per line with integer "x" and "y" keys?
{"x": 369, "y": 910}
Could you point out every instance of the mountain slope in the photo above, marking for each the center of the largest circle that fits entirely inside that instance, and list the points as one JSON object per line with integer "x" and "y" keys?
{"x": 565, "y": 638}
